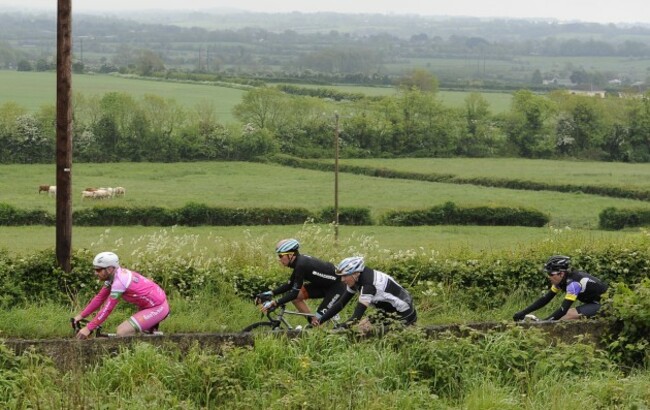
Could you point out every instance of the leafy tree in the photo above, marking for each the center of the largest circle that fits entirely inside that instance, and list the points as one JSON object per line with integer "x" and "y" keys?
{"x": 31, "y": 145}
{"x": 537, "y": 78}
{"x": 147, "y": 62}
{"x": 639, "y": 132}
{"x": 478, "y": 138}
{"x": 587, "y": 118}
{"x": 106, "y": 135}
{"x": 419, "y": 79}
{"x": 262, "y": 107}
{"x": 529, "y": 128}
{"x": 24, "y": 65}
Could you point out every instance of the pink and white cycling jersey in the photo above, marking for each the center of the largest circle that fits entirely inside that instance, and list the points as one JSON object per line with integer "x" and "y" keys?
{"x": 133, "y": 288}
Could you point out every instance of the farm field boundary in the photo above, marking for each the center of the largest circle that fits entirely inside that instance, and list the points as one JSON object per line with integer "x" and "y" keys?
{"x": 73, "y": 354}
{"x": 609, "y": 191}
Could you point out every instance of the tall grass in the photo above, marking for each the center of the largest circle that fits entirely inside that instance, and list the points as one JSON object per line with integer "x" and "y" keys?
{"x": 512, "y": 370}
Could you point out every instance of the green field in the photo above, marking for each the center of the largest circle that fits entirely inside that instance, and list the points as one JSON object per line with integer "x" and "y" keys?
{"x": 499, "y": 102}
{"x": 550, "y": 171}
{"x": 35, "y": 89}
{"x": 240, "y": 184}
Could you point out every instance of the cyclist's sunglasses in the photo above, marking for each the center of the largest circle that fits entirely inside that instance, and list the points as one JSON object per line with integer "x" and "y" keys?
{"x": 280, "y": 255}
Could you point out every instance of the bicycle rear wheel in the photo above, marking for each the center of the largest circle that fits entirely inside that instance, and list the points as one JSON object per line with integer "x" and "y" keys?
{"x": 261, "y": 328}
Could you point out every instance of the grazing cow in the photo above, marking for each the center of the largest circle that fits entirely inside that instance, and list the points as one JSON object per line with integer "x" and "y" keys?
{"x": 43, "y": 188}
{"x": 120, "y": 191}
{"x": 101, "y": 194}
{"x": 51, "y": 190}
{"x": 111, "y": 191}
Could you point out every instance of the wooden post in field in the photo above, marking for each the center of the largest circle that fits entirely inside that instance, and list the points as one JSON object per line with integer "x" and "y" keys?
{"x": 336, "y": 178}
{"x": 64, "y": 134}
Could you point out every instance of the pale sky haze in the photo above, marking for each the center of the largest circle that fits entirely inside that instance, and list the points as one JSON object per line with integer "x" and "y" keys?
{"x": 599, "y": 11}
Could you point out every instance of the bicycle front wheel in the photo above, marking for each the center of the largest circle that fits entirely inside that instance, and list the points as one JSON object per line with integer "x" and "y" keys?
{"x": 260, "y": 328}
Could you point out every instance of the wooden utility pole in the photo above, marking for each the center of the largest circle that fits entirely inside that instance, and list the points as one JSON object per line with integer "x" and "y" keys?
{"x": 64, "y": 134}
{"x": 336, "y": 178}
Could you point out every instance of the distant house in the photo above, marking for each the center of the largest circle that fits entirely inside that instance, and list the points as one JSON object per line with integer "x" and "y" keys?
{"x": 614, "y": 81}
{"x": 559, "y": 82}
{"x": 600, "y": 94}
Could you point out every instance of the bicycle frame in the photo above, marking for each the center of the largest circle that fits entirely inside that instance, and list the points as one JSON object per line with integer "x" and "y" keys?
{"x": 277, "y": 316}
{"x": 278, "y": 321}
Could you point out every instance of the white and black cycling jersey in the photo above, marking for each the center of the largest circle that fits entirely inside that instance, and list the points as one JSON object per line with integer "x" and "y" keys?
{"x": 376, "y": 287}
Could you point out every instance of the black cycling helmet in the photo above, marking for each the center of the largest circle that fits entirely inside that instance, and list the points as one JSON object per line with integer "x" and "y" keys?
{"x": 557, "y": 263}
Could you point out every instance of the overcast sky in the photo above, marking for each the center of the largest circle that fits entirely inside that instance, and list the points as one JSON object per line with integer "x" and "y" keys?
{"x": 600, "y": 11}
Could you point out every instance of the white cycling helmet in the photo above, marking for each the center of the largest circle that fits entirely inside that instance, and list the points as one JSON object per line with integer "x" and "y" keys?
{"x": 106, "y": 259}
{"x": 350, "y": 265}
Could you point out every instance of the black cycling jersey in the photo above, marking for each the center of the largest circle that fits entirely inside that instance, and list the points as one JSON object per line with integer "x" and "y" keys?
{"x": 578, "y": 285}
{"x": 582, "y": 286}
{"x": 310, "y": 269}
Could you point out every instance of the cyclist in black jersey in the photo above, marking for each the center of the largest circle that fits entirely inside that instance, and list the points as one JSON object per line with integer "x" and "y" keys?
{"x": 375, "y": 288}
{"x": 578, "y": 285}
{"x": 321, "y": 280}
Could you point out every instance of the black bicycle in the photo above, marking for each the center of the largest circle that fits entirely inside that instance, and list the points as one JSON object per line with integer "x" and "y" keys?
{"x": 276, "y": 321}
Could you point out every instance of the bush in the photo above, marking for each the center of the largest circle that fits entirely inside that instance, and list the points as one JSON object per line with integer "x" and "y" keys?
{"x": 629, "y": 308}
{"x": 613, "y": 218}
{"x": 450, "y": 214}
{"x": 347, "y": 216}
{"x": 11, "y": 216}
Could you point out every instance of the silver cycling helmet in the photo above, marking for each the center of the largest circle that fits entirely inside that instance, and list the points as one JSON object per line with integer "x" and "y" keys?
{"x": 287, "y": 246}
{"x": 350, "y": 265}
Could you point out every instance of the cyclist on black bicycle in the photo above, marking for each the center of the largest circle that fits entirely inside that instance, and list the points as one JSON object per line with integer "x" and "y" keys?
{"x": 122, "y": 283}
{"x": 375, "y": 288}
{"x": 578, "y": 286}
{"x": 322, "y": 281}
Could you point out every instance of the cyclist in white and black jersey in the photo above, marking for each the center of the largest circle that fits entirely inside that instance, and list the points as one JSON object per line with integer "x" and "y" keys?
{"x": 311, "y": 278}
{"x": 375, "y": 288}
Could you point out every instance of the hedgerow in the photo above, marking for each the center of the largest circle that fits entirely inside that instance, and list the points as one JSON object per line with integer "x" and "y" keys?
{"x": 603, "y": 190}
{"x": 613, "y": 218}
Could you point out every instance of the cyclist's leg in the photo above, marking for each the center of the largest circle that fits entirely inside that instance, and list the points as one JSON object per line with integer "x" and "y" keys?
{"x": 299, "y": 302}
{"x": 143, "y": 320}
{"x": 586, "y": 310}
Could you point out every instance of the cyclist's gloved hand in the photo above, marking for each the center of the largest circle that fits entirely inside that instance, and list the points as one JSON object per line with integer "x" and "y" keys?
{"x": 269, "y": 306}
{"x": 315, "y": 320}
{"x": 264, "y": 296}
{"x": 519, "y": 316}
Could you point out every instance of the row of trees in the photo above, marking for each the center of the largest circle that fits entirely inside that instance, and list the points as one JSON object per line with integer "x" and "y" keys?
{"x": 369, "y": 49}
{"x": 117, "y": 127}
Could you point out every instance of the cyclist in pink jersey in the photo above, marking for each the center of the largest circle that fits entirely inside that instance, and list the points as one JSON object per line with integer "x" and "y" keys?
{"x": 134, "y": 288}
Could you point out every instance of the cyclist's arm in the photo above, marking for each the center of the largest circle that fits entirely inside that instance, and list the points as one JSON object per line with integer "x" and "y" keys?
{"x": 294, "y": 285}
{"x": 572, "y": 292}
{"x": 561, "y": 311}
{"x": 359, "y": 310}
{"x": 365, "y": 298}
{"x": 96, "y": 302}
{"x": 337, "y": 307}
{"x": 105, "y": 311}
{"x": 282, "y": 288}
{"x": 541, "y": 302}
